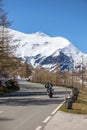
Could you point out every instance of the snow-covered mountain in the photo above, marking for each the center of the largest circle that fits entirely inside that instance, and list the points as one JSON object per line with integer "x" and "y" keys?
{"x": 40, "y": 49}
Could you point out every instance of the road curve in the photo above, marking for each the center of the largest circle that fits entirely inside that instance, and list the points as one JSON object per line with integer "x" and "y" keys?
{"x": 30, "y": 108}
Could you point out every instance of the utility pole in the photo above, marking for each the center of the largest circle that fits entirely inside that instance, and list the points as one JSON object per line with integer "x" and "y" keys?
{"x": 82, "y": 73}
{"x": 72, "y": 71}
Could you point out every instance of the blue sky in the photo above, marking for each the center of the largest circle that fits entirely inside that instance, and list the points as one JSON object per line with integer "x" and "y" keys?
{"x": 67, "y": 18}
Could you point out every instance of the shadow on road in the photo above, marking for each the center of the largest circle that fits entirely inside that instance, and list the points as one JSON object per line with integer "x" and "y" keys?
{"x": 40, "y": 93}
{"x": 5, "y": 119}
{"x": 32, "y": 95}
{"x": 24, "y": 94}
{"x": 29, "y": 101}
{"x": 31, "y": 98}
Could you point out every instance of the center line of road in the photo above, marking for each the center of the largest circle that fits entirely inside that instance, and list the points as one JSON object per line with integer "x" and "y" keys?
{"x": 38, "y": 128}
{"x": 46, "y": 120}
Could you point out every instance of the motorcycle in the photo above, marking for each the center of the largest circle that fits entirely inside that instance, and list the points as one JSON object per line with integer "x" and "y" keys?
{"x": 50, "y": 92}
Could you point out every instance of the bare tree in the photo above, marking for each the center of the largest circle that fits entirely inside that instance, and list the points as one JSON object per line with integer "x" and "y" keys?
{"x": 6, "y": 48}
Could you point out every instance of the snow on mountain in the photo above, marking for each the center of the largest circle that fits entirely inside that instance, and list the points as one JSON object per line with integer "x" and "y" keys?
{"x": 32, "y": 44}
{"x": 42, "y": 50}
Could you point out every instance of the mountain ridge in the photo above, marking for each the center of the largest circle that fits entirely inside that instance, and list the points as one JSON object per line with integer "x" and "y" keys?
{"x": 39, "y": 48}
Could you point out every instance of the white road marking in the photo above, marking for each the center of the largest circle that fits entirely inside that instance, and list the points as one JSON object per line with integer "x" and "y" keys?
{"x": 1, "y": 111}
{"x": 57, "y": 108}
{"x": 38, "y": 128}
{"x": 46, "y": 120}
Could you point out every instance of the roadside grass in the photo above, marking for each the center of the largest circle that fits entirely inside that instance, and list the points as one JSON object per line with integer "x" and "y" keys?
{"x": 79, "y": 106}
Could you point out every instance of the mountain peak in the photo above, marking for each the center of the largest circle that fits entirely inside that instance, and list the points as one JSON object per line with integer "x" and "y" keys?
{"x": 40, "y": 34}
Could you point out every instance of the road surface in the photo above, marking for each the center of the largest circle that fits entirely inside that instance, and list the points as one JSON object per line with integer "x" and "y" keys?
{"x": 30, "y": 108}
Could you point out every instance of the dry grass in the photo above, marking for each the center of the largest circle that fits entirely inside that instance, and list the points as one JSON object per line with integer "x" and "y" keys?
{"x": 79, "y": 106}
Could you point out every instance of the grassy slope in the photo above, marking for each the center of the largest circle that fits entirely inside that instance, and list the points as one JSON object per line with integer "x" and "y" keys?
{"x": 80, "y": 106}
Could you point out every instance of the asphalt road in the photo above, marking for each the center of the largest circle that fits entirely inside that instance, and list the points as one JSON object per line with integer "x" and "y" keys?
{"x": 30, "y": 108}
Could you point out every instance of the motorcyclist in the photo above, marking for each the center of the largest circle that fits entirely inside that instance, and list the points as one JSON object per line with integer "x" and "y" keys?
{"x": 48, "y": 85}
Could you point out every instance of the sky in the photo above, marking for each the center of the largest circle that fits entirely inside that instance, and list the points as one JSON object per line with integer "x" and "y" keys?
{"x": 65, "y": 18}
